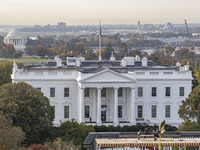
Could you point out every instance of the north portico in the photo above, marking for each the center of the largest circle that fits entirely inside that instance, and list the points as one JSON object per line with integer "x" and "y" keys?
{"x": 106, "y": 105}
{"x": 111, "y": 92}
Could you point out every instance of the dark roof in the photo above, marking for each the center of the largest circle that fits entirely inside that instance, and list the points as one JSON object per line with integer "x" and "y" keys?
{"x": 96, "y": 66}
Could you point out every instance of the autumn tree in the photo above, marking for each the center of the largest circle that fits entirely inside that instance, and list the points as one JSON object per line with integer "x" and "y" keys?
{"x": 41, "y": 51}
{"x": 7, "y": 50}
{"x": 80, "y": 47}
{"x": 90, "y": 55}
{"x": 10, "y": 136}
{"x": 29, "y": 109}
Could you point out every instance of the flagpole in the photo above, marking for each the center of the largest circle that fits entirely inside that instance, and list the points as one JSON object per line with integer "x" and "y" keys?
{"x": 99, "y": 41}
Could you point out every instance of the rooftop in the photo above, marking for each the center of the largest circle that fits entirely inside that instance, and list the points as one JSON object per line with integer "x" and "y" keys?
{"x": 94, "y": 66}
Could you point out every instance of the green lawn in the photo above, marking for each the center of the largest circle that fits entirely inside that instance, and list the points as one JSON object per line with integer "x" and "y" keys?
{"x": 25, "y": 59}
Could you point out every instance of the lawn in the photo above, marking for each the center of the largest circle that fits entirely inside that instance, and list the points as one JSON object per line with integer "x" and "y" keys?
{"x": 25, "y": 60}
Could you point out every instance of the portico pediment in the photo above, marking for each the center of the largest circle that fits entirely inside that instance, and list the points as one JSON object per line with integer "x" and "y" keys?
{"x": 107, "y": 76}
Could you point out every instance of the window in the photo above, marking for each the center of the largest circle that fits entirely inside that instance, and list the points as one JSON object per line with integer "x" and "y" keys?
{"x": 103, "y": 92}
{"x": 66, "y": 111}
{"x": 53, "y": 111}
{"x": 38, "y": 88}
{"x": 153, "y": 111}
{"x": 52, "y": 92}
{"x": 87, "y": 92}
{"x": 181, "y": 91}
{"x": 120, "y": 92}
{"x": 167, "y": 111}
{"x": 119, "y": 111}
{"x": 167, "y": 91}
{"x": 153, "y": 92}
{"x": 87, "y": 111}
{"x": 140, "y": 91}
{"x": 139, "y": 111}
{"x": 66, "y": 92}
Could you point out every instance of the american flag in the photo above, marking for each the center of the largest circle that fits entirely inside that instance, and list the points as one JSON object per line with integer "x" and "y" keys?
{"x": 100, "y": 29}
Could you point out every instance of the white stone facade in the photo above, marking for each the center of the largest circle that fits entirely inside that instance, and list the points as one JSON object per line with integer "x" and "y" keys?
{"x": 17, "y": 39}
{"x": 111, "y": 92}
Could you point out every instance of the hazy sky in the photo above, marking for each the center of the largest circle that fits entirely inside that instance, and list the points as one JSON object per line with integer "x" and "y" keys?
{"x": 83, "y": 12}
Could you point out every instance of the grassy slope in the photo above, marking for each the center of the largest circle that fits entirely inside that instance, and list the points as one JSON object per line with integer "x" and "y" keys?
{"x": 25, "y": 60}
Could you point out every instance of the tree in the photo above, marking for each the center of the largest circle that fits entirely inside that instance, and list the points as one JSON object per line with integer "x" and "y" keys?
{"x": 10, "y": 136}
{"x": 80, "y": 47}
{"x": 72, "y": 131}
{"x": 41, "y": 51}
{"x": 191, "y": 106}
{"x": 123, "y": 47}
{"x": 29, "y": 109}
{"x": 30, "y": 50}
{"x": 5, "y": 72}
{"x": 7, "y": 51}
{"x": 106, "y": 53}
{"x": 90, "y": 55}
{"x": 189, "y": 125}
{"x": 18, "y": 54}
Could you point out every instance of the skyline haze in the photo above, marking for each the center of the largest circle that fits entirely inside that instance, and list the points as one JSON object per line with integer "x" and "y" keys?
{"x": 89, "y": 12}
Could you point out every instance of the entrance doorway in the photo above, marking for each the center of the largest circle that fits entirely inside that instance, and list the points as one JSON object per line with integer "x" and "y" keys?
{"x": 103, "y": 115}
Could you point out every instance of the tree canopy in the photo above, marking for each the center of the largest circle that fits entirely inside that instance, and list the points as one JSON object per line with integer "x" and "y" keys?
{"x": 191, "y": 106}
{"x": 28, "y": 108}
{"x": 5, "y": 72}
{"x": 10, "y": 136}
{"x": 75, "y": 132}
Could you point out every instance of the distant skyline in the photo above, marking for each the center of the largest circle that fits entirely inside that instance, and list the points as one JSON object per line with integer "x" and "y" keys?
{"x": 89, "y": 12}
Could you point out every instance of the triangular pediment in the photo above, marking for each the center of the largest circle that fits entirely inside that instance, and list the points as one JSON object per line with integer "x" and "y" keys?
{"x": 108, "y": 76}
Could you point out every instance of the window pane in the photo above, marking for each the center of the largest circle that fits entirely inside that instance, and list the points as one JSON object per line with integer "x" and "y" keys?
{"x": 66, "y": 112}
{"x": 167, "y": 111}
{"x": 181, "y": 91}
{"x": 140, "y": 111}
{"x": 167, "y": 91}
{"x": 53, "y": 111}
{"x": 38, "y": 88}
{"x": 120, "y": 92}
{"x": 140, "y": 91}
{"x": 87, "y": 111}
{"x": 52, "y": 92}
{"x": 103, "y": 92}
{"x": 66, "y": 92}
{"x": 153, "y": 111}
{"x": 119, "y": 111}
{"x": 87, "y": 92}
{"x": 153, "y": 92}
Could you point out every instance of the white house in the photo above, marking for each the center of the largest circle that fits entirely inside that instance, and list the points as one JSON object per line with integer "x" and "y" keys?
{"x": 17, "y": 39}
{"x": 127, "y": 92}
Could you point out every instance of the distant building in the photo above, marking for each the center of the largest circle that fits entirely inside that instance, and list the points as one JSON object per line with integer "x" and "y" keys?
{"x": 17, "y": 39}
{"x": 61, "y": 25}
{"x": 127, "y": 92}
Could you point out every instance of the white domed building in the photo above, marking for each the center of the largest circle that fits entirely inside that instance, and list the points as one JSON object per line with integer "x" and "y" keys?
{"x": 17, "y": 39}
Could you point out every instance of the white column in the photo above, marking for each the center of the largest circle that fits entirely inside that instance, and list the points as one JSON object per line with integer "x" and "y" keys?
{"x": 99, "y": 122}
{"x": 81, "y": 106}
{"x": 116, "y": 122}
{"x": 132, "y": 107}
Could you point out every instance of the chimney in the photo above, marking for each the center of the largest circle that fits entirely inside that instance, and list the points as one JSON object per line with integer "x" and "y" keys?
{"x": 123, "y": 62}
{"x": 137, "y": 58}
{"x": 58, "y": 61}
{"x": 78, "y": 62}
{"x": 144, "y": 62}
{"x": 112, "y": 58}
